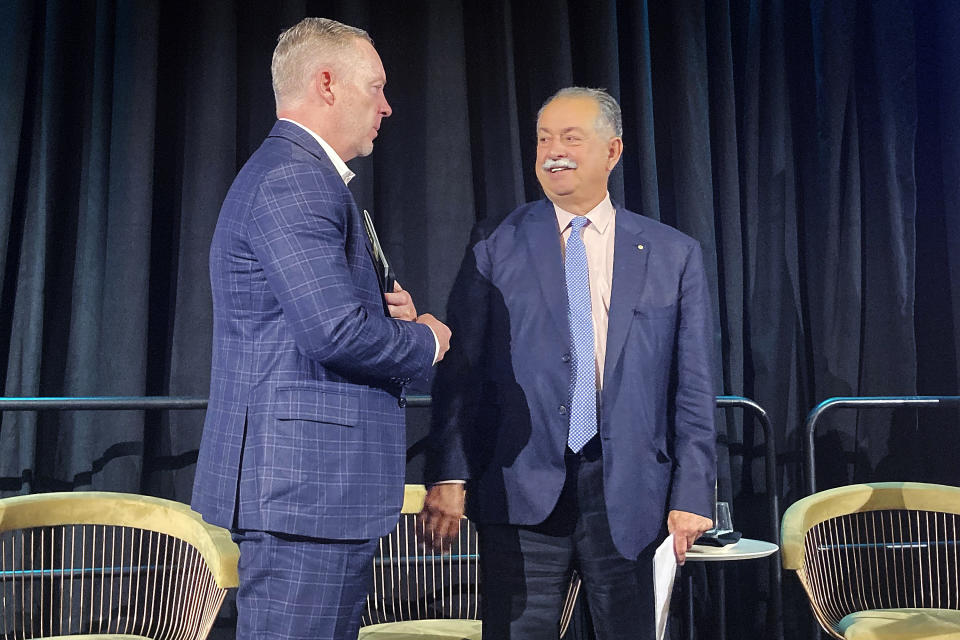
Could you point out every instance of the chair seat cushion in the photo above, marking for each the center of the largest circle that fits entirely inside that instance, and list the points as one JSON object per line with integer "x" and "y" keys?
{"x": 901, "y": 624}
{"x": 433, "y": 629}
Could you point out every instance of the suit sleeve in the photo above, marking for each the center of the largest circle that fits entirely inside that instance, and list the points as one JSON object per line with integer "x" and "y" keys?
{"x": 458, "y": 384}
{"x": 298, "y": 233}
{"x": 695, "y": 468}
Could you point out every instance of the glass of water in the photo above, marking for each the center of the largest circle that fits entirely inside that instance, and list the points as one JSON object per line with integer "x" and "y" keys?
{"x": 722, "y": 522}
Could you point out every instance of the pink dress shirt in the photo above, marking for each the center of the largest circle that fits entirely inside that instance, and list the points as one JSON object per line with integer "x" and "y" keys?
{"x": 598, "y": 241}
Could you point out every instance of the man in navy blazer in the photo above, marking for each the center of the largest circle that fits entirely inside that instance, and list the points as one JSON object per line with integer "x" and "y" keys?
{"x": 504, "y": 397}
{"x": 303, "y": 449}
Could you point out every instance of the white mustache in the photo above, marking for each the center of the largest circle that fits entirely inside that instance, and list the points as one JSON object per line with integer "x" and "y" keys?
{"x": 561, "y": 163}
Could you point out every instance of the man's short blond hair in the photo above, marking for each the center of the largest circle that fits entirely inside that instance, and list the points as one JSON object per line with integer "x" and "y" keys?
{"x": 305, "y": 46}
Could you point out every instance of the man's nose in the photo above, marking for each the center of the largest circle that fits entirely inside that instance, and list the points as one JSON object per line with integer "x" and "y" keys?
{"x": 385, "y": 109}
{"x": 556, "y": 149}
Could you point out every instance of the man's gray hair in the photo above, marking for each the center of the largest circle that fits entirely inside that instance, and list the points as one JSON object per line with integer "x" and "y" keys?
{"x": 304, "y": 46}
{"x": 608, "y": 119}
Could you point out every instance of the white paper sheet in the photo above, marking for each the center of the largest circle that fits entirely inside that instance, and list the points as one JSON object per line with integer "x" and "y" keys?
{"x": 664, "y": 573}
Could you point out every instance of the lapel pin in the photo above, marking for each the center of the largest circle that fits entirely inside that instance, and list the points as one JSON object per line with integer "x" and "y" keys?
{"x": 640, "y": 246}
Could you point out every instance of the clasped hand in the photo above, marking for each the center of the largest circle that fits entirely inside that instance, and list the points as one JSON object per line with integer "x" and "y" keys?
{"x": 401, "y": 307}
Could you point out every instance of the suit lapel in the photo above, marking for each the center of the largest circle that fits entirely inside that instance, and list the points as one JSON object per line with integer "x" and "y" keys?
{"x": 301, "y": 138}
{"x": 297, "y": 135}
{"x": 630, "y": 254}
{"x": 543, "y": 242}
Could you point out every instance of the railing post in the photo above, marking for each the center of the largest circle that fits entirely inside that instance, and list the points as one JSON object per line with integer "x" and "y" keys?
{"x": 773, "y": 500}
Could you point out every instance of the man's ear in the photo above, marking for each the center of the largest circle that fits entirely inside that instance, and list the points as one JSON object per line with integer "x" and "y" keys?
{"x": 323, "y": 85}
{"x": 614, "y": 151}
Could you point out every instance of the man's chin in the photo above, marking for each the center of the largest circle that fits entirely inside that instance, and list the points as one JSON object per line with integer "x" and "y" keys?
{"x": 554, "y": 195}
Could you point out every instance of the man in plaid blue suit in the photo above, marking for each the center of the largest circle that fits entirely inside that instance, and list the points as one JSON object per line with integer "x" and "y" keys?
{"x": 303, "y": 447}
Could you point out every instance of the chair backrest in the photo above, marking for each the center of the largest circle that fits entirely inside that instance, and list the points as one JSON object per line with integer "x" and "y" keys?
{"x": 875, "y": 546}
{"x": 111, "y": 564}
{"x": 411, "y": 582}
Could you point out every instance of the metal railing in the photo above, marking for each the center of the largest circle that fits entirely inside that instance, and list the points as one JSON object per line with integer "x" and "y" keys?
{"x": 859, "y": 402}
{"x": 102, "y": 403}
{"x": 165, "y": 403}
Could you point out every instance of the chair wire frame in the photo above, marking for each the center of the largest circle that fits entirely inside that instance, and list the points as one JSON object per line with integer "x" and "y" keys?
{"x": 412, "y": 582}
{"x": 882, "y": 559}
{"x": 104, "y": 579}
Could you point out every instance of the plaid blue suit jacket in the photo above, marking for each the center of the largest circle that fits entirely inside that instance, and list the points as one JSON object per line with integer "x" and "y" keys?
{"x": 303, "y": 431}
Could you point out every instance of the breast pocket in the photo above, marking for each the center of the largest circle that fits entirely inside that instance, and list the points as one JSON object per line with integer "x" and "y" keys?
{"x": 656, "y": 312}
{"x": 318, "y": 404}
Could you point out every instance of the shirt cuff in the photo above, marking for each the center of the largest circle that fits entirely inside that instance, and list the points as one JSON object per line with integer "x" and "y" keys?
{"x": 448, "y": 482}
{"x": 436, "y": 348}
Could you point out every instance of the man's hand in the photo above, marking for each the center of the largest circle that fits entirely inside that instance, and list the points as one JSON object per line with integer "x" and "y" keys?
{"x": 400, "y": 304}
{"x": 440, "y": 330}
{"x": 686, "y": 527}
{"x": 440, "y": 517}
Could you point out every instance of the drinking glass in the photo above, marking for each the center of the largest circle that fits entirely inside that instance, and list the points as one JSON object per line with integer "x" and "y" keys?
{"x": 722, "y": 523}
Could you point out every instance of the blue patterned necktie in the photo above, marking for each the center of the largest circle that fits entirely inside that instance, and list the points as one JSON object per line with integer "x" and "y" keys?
{"x": 583, "y": 379}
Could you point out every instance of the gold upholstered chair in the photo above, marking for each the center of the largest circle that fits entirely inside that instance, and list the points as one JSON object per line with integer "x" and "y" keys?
{"x": 110, "y": 565}
{"x": 420, "y": 594}
{"x": 879, "y": 561}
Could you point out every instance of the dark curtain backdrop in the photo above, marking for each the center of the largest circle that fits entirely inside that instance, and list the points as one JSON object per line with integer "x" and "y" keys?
{"x": 812, "y": 147}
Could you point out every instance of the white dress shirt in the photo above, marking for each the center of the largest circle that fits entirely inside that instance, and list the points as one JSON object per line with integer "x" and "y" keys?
{"x": 338, "y": 164}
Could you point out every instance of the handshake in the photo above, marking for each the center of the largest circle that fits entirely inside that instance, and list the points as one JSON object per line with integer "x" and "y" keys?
{"x": 401, "y": 307}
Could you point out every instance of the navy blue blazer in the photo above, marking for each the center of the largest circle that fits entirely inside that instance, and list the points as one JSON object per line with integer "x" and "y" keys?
{"x": 500, "y": 396}
{"x": 303, "y": 431}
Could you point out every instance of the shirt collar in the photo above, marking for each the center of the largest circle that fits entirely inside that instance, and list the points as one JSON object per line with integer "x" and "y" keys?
{"x": 599, "y": 216}
{"x": 345, "y": 174}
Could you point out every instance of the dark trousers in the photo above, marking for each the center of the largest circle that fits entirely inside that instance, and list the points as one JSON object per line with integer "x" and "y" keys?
{"x": 293, "y": 587}
{"x": 526, "y": 569}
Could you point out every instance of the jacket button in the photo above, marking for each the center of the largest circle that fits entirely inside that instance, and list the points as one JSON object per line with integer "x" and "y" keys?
{"x": 402, "y": 402}
{"x": 562, "y": 410}
{"x": 565, "y": 357}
